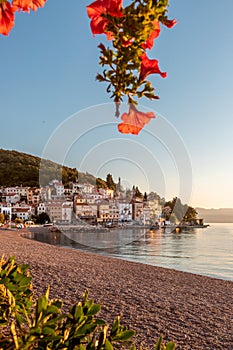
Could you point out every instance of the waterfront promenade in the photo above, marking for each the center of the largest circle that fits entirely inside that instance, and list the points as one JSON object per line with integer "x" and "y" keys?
{"x": 192, "y": 310}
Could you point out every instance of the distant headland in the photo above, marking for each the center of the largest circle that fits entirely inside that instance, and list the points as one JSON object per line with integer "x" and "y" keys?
{"x": 216, "y": 215}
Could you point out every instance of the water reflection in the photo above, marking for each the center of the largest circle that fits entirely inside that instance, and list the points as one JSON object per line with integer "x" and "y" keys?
{"x": 204, "y": 251}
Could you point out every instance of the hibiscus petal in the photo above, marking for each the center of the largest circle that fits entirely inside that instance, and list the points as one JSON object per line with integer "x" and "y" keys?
{"x": 98, "y": 25}
{"x": 95, "y": 9}
{"x": 96, "y": 12}
{"x": 21, "y": 5}
{"x": 169, "y": 22}
{"x": 6, "y": 18}
{"x": 149, "y": 67}
{"x": 26, "y": 5}
{"x": 134, "y": 121}
{"x": 35, "y": 4}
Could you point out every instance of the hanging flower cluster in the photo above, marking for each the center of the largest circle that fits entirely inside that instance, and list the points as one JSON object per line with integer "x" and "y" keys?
{"x": 8, "y": 9}
{"x": 132, "y": 30}
{"x": 126, "y": 64}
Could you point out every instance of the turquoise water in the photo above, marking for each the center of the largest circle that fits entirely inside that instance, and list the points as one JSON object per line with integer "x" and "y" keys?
{"x": 207, "y": 251}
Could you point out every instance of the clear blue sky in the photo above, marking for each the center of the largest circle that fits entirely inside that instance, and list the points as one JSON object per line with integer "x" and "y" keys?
{"x": 48, "y": 67}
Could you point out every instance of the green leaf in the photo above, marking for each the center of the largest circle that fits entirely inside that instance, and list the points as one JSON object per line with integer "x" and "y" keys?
{"x": 48, "y": 330}
{"x": 85, "y": 330}
{"x": 57, "y": 303}
{"x": 78, "y": 312}
{"x": 39, "y": 306}
{"x": 108, "y": 345}
{"x": 158, "y": 344}
{"x": 115, "y": 325}
{"x": 93, "y": 310}
{"x": 171, "y": 346}
{"x": 100, "y": 322}
{"x": 35, "y": 330}
{"x": 123, "y": 336}
{"x": 52, "y": 309}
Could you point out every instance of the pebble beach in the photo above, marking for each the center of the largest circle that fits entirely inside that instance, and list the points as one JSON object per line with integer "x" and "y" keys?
{"x": 196, "y": 312}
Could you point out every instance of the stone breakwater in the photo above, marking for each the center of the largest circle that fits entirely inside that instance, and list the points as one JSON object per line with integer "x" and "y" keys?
{"x": 194, "y": 311}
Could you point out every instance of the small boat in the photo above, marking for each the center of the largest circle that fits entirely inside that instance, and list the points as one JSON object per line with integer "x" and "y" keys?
{"x": 154, "y": 227}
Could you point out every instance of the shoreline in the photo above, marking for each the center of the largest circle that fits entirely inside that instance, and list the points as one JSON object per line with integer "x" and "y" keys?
{"x": 105, "y": 252}
{"x": 194, "y": 311}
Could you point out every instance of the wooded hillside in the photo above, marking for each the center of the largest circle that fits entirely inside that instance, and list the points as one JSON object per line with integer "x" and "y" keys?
{"x": 17, "y": 168}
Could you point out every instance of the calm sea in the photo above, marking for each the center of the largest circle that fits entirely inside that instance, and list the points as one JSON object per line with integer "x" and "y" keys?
{"x": 207, "y": 251}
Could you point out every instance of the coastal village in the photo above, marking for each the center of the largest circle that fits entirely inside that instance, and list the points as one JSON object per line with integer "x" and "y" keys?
{"x": 65, "y": 204}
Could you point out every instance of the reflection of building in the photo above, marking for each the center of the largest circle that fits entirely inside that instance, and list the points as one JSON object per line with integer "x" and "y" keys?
{"x": 146, "y": 215}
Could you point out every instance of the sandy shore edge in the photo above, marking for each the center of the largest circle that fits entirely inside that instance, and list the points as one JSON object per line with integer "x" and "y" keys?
{"x": 194, "y": 311}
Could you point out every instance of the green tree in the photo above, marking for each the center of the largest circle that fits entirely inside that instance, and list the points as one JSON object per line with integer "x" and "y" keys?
{"x": 190, "y": 214}
{"x": 43, "y": 218}
{"x": 110, "y": 183}
{"x": 181, "y": 211}
{"x": 100, "y": 183}
{"x": 2, "y": 218}
{"x": 177, "y": 207}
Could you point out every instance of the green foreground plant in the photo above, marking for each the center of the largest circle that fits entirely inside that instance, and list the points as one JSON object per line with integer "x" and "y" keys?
{"x": 28, "y": 323}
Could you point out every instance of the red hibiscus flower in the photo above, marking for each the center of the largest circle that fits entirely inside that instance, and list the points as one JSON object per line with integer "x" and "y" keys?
{"x": 98, "y": 9}
{"x": 134, "y": 121}
{"x": 27, "y": 5}
{"x": 153, "y": 35}
{"x": 6, "y": 18}
{"x": 169, "y": 22}
{"x": 149, "y": 67}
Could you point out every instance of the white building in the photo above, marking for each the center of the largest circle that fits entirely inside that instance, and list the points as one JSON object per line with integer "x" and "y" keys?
{"x": 41, "y": 208}
{"x": 22, "y": 191}
{"x": 125, "y": 211}
{"x": 67, "y": 209}
{"x": 59, "y": 210}
{"x": 113, "y": 212}
{"x": 11, "y": 190}
{"x": 12, "y": 198}
{"x": 87, "y": 188}
{"x": 155, "y": 209}
{"x": 75, "y": 187}
{"x": 106, "y": 193}
{"x": 33, "y": 195}
{"x": 22, "y": 213}
{"x": 5, "y": 208}
{"x": 59, "y": 187}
